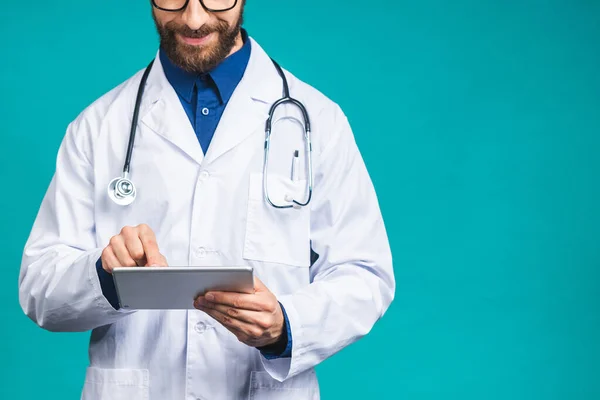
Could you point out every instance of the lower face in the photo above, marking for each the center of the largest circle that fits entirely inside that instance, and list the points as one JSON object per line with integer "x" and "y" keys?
{"x": 201, "y": 50}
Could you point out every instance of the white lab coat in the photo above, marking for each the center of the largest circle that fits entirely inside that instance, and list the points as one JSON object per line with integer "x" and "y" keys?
{"x": 208, "y": 210}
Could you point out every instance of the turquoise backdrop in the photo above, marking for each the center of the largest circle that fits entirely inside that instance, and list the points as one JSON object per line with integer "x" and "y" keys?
{"x": 480, "y": 124}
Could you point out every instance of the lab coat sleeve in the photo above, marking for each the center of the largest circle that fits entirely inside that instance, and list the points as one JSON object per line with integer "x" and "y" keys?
{"x": 352, "y": 283}
{"x": 59, "y": 288}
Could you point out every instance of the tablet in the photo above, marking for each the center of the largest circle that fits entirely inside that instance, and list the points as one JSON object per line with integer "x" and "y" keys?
{"x": 175, "y": 288}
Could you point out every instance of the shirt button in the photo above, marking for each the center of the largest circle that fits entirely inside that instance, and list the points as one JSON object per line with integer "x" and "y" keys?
{"x": 201, "y": 252}
{"x": 205, "y": 111}
{"x": 200, "y": 327}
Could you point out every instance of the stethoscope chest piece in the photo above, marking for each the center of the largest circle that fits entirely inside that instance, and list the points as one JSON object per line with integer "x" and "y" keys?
{"x": 122, "y": 191}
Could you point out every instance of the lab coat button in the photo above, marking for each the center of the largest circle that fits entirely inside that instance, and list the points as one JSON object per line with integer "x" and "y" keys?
{"x": 201, "y": 252}
{"x": 200, "y": 327}
{"x": 204, "y": 175}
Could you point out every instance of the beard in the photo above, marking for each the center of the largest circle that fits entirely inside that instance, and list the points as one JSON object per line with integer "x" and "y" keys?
{"x": 203, "y": 58}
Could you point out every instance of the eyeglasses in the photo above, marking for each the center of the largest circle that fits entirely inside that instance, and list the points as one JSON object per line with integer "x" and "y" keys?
{"x": 209, "y": 5}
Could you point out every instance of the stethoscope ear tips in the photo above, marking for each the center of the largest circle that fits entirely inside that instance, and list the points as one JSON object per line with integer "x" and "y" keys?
{"x": 121, "y": 191}
{"x": 290, "y": 199}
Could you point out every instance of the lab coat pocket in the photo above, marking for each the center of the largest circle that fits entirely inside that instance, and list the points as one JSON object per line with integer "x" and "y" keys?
{"x": 277, "y": 235}
{"x": 300, "y": 387}
{"x": 116, "y": 384}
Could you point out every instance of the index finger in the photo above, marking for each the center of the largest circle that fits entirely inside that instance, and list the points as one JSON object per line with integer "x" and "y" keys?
{"x": 242, "y": 301}
{"x": 150, "y": 246}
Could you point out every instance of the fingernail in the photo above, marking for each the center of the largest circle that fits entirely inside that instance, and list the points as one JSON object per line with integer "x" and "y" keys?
{"x": 210, "y": 297}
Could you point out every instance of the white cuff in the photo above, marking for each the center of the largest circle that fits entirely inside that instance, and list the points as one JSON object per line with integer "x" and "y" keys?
{"x": 282, "y": 368}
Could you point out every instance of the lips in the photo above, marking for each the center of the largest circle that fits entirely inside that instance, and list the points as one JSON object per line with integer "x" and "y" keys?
{"x": 195, "y": 41}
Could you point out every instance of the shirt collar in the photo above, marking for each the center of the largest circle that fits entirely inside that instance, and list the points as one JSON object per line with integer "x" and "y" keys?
{"x": 226, "y": 75}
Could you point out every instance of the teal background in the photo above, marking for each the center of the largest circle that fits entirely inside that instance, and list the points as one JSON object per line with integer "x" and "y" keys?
{"x": 480, "y": 125}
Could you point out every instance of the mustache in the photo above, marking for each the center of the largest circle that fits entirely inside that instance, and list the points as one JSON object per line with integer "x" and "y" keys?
{"x": 204, "y": 30}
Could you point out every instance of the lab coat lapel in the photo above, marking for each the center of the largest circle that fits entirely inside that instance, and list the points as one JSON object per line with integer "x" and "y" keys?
{"x": 248, "y": 107}
{"x": 242, "y": 117}
{"x": 166, "y": 115}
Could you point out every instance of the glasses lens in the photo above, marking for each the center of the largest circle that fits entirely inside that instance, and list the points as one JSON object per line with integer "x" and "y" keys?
{"x": 169, "y": 4}
{"x": 213, "y": 5}
{"x": 217, "y": 5}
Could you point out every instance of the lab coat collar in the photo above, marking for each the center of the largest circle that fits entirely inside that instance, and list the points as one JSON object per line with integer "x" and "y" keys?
{"x": 245, "y": 112}
{"x": 248, "y": 108}
{"x": 164, "y": 114}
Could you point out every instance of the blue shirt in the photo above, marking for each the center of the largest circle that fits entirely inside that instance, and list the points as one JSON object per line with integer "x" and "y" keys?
{"x": 204, "y": 98}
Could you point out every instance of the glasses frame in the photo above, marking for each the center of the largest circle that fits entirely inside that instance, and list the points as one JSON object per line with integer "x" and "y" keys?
{"x": 201, "y": 2}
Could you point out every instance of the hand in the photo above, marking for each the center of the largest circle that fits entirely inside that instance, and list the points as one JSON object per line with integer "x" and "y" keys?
{"x": 255, "y": 319}
{"x": 134, "y": 246}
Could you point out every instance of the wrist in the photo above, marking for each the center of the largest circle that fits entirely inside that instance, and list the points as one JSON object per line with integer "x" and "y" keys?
{"x": 278, "y": 343}
{"x": 279, "y": 328}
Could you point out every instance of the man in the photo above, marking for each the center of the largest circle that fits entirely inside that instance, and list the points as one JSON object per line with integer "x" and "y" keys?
{"x": 323, "y": 271}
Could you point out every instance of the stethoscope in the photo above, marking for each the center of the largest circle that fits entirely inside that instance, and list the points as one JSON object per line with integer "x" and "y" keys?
{"x": 122, "y": 191}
